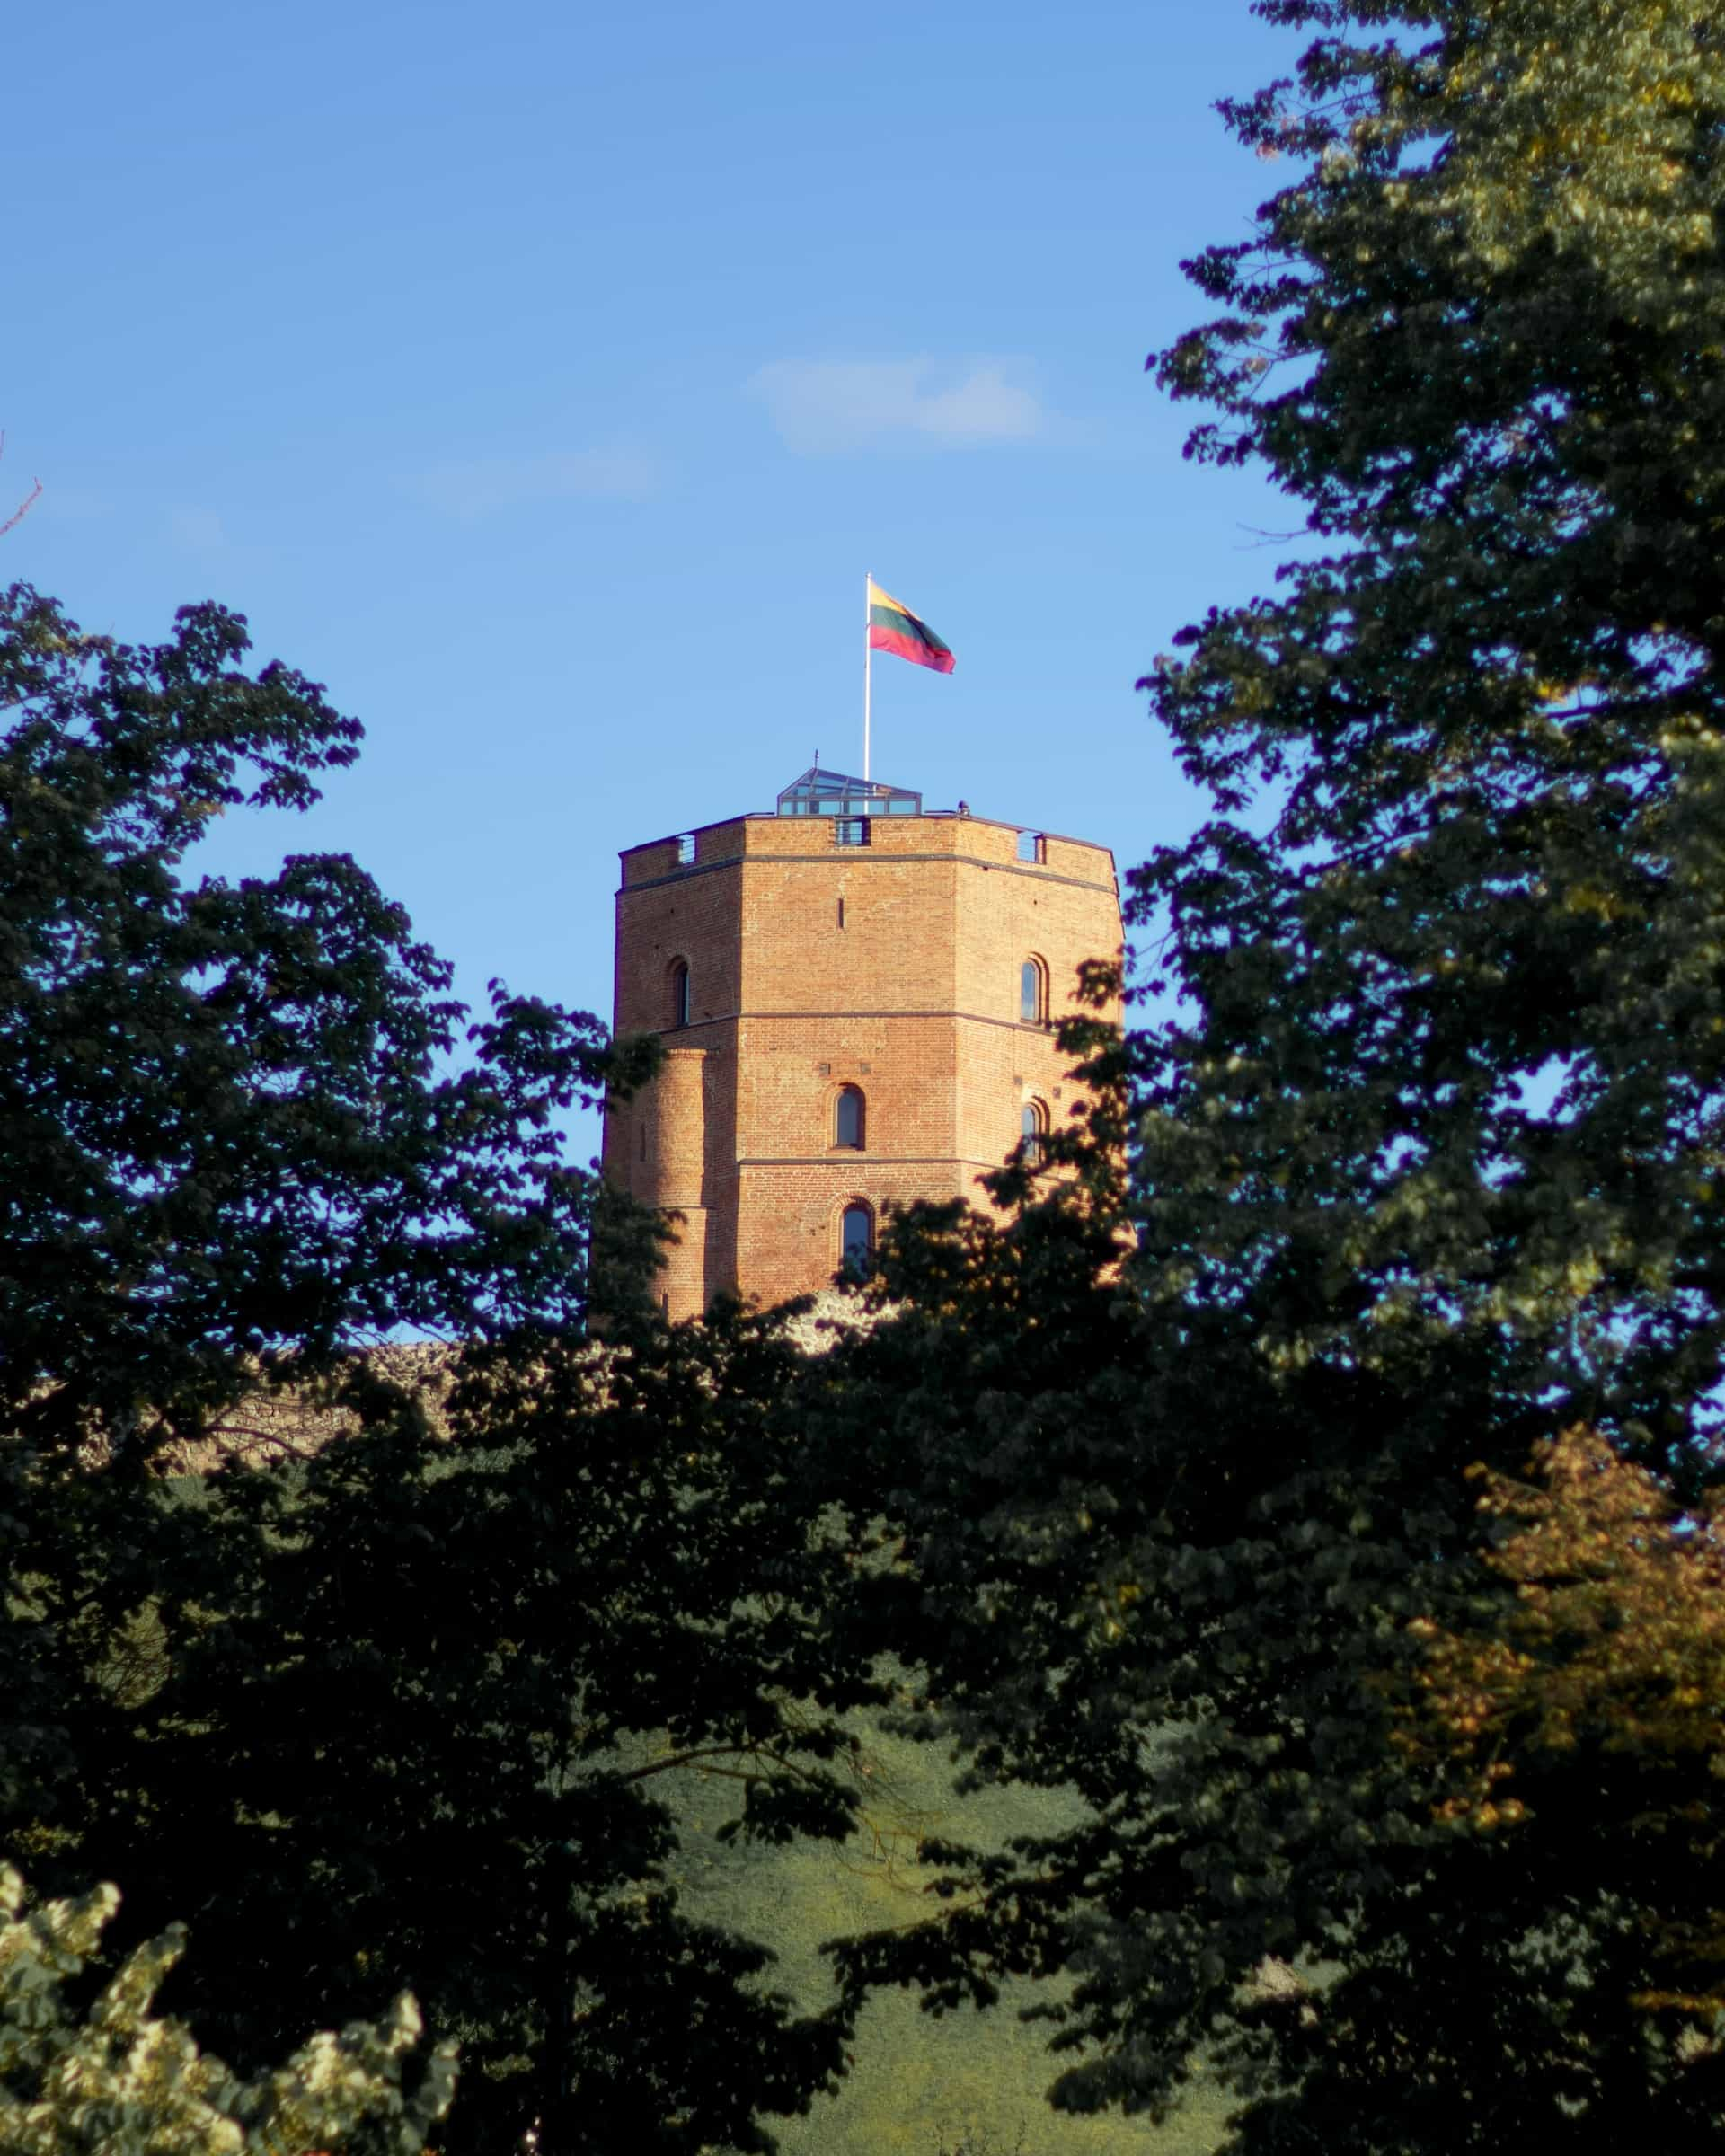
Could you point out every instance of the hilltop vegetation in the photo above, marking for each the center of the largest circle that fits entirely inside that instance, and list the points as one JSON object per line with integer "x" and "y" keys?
{"x": 1427, "y": 1153}
{"x": 1294, "y": 1781}
{"x": 365, "y": 1720}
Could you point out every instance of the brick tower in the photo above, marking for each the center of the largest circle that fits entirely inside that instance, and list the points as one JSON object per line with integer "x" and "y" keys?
{"x": 856, "y": 997}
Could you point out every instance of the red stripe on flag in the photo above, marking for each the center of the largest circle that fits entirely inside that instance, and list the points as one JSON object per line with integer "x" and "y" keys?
{"x": 912, "y": 647}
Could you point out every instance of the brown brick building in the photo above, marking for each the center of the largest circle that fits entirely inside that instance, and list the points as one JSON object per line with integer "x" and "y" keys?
{"x": 856, "y": 996}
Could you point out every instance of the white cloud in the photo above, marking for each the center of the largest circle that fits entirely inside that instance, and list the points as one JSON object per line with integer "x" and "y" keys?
{"x": 481, "y": 485}
{"x": 820, "y": 407}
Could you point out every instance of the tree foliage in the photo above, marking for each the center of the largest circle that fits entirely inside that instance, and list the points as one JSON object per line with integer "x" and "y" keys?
{"x": 230, "y": 1126}
{"x": 401, "y": 1713}
{"x": 115, "y": 2080}
{"x": 409, "y": 1712}
{"x": 1600, "y": 1682}
{"x": 1428, "y": 1149}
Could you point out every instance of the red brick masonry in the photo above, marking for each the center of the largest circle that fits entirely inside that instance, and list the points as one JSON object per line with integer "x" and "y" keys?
{"x": 895, "y": 967}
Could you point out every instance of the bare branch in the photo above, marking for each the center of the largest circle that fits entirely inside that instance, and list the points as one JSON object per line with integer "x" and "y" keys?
{"x": 26, "y": 505}
{"x": 23, "y": 508}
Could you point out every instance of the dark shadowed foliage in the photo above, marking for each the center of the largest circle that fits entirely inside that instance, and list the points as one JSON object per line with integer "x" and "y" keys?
{"x": 1427, "y": 1158}
{"x": 398, "y": 1713}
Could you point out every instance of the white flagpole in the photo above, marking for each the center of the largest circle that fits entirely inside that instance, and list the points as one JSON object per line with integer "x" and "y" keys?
{"x": 868, "y": 673}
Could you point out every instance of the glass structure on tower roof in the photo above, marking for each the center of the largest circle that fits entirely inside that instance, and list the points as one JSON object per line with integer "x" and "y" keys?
{"x": 819, "y": 792}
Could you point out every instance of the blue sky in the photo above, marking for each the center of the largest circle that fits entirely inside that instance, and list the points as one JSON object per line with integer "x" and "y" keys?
{"x": 545, "y": 379}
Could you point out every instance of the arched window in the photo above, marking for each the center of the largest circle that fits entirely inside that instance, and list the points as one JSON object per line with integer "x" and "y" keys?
{"x": 680, "y": 993}
{"x": 849, "y": 1117}
{"x": 1032, "y": 993}
{"x": 856, "y": 1238}
{"x": 1032, "y": 1128}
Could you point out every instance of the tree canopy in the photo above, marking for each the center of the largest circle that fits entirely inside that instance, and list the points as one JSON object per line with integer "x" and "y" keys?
{"x": 231, "y": 1127}
{"x": 1427, "y": 1134}
{"x": 1155, "y": 1481}
{"x": 407, "y": 1713}
{"x": 116, "y": 2080}
{"x": 1602, "y": 1672}
{"x": 396, "y": 1713}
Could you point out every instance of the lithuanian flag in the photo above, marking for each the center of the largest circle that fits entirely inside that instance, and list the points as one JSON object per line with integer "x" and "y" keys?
{"x": 896, "y": 629}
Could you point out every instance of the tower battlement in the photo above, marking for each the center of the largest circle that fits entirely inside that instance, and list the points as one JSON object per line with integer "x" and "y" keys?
{"x": 858, "y": 998}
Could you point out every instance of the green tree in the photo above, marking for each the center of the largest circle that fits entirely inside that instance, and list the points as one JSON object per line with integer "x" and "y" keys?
{"x": 230, "y": 1131}
{"x": 399, "y": 1714}
{"x": 1428, "y": 1156}
{"x": 115, "y": 2080}
{"x": 409, "y": 1712}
